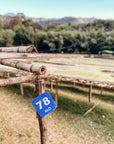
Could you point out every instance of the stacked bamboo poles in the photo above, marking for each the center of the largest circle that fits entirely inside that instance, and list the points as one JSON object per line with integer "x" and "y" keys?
{"x": 19, "y": 49}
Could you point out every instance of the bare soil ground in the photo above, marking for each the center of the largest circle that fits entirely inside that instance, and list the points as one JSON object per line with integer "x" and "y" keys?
{"x": 78, "y": 66}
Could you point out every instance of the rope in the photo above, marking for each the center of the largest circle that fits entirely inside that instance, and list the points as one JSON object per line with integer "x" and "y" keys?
{"x": 78, "y": 44}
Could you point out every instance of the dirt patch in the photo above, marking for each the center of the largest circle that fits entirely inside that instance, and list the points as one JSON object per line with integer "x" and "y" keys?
{"x": 109, "y": 72}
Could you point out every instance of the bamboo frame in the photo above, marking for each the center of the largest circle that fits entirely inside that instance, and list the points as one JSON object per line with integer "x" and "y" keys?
{"x": 35, "y": 72}
{"x": 17, "y": 80}
{"x": 23, "y": 66}
{"x": 40, "y": 88}
{"x": 86, "y": 82}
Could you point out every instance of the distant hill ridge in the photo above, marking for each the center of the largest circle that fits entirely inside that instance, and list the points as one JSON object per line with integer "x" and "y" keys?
{"x": 64, "y": 20}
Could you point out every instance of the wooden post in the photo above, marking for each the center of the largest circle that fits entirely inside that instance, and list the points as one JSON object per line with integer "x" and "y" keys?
{"x": 101, "y": 91}
{"x": 51, "y": 83}
{"x": 90, "y": 93}
{"x": 4, "y": 74}
{"x": 40, "y": 88}
{"x": 56, "y": 96}
{"x": 21, "y": 88}
{"x": 8, "y": 74}
{"x": 74, "y": 83}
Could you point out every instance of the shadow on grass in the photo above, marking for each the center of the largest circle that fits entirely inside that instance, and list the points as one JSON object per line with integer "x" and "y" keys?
{"x": 104, "y": 97}
{"x": 77, "y": 107}
{"x": 71, "y": 89}
{"x": 28, "y": 91}
{"x": 79, "y": 90}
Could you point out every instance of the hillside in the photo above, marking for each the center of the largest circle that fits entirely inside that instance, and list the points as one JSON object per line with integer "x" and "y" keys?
{"x": 64, "y": 20}
{"x": 44, "y": 21}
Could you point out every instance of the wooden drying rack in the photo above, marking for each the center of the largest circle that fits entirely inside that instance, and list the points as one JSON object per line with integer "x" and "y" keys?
{"x": 33, "y": 72}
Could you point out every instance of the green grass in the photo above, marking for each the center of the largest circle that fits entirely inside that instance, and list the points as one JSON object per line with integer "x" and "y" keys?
{"x": 100, "y": 120}
{"x": 108, "y": 94}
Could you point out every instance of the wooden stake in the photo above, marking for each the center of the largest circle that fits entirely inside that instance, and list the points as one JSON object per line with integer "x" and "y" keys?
{"x": 21, "y": 88}
{"x": 91, "y": 109}
{"x": 56, "y": 96}
{"x": 4, "y": 74}
{"x": 101, "y": 91}
{"x": 51, "y": 83}
{"x": 90, "y": 93}
{"x": 40, "y": 88}
{"x": 8, "y": 74}
{"x": 74, "y": 83}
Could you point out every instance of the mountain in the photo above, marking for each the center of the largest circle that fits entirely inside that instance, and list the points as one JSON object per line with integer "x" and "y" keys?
{"x": 44, "y": 21}
{"x": 65, "y": 20}
{"x": 10, "y": 14}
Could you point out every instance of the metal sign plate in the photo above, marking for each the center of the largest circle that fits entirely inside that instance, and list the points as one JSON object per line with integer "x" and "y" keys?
{"x": 44, "y": 104}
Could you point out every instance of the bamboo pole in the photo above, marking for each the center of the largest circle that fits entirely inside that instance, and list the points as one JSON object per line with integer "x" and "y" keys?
{"x": 40, "y": 88}
{"x": 21, "y": 88}
{"x": 101, "y": 91}
{"x": 24, "y": 66}
{"x": 17, "y": 80}
{"x": 56, "y": 96}
{"x": 87, "y": 82}
{"x": 8, "y": 74}
{"x": 90, "y": 93}
{"x": 13, "y": 70}
{"x": 21, "y": 49}
{"x": 91, "y": 109}
{"x": 51, "y": 83}
{"x": 4, "y": 74}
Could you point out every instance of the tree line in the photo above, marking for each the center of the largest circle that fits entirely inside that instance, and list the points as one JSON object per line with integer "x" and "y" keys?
{"x": 20, "y": 30}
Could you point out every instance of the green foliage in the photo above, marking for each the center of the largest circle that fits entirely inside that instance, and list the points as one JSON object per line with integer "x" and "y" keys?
{"x": 55, "y": 36}
{"x": 6, "y": 37}
{"x": 0, "y": 23}
{"x": 24, "y": 36}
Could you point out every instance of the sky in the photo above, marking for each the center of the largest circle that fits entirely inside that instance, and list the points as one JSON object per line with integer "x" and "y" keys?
{"x": 103, "y": 9}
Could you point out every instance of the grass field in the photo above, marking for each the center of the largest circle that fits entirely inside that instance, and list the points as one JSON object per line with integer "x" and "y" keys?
{"x": 66, "y": 125}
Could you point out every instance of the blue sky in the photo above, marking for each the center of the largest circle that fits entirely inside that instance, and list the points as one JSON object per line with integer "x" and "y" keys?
{"x": 60, "y": 8}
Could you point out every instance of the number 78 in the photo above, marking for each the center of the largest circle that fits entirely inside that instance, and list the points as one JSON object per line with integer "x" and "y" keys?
{"x": 45, "y": 100}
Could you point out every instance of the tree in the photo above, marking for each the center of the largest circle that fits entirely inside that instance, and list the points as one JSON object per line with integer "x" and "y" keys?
{"x": 13, "y": 22}
{"x": 24, "y": 36}
{"x": 0, "y": 23}
{"x": 6, "y": 37}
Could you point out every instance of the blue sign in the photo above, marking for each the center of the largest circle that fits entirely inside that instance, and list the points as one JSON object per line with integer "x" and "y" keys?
{"x": 44, "y": 104}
